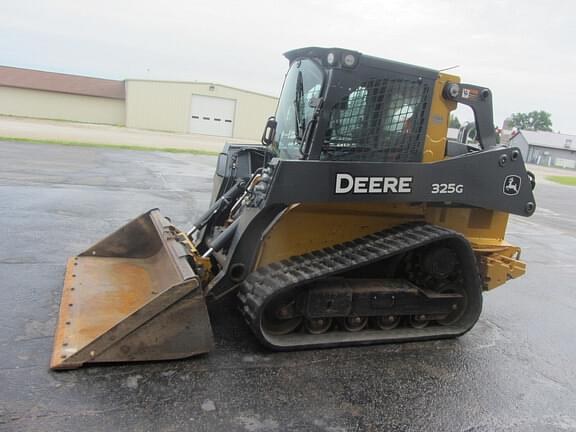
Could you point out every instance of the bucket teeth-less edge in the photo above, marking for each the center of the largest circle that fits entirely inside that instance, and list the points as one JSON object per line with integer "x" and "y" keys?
{"x": 117, "y": 307}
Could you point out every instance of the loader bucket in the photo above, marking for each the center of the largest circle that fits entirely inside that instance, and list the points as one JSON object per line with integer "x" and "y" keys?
{"x": 131, "y": 297}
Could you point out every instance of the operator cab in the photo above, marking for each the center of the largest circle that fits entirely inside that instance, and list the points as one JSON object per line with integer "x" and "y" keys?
{"x": 342, "y": 105}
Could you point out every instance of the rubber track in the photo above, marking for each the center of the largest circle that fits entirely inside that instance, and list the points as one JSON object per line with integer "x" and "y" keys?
{"x": 268, "y": 281}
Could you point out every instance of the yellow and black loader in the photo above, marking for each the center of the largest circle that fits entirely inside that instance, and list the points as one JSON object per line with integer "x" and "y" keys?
{"x": 356, "y": 222}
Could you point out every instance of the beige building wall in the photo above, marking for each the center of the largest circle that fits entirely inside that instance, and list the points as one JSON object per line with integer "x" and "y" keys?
{"x": 61, "y": 106}
{"x": 165, "y": 106}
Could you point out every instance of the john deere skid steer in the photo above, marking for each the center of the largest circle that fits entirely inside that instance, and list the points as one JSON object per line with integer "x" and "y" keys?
{"x": 357, "y": 222}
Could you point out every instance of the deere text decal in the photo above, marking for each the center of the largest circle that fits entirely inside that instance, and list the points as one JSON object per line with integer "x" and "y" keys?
{"x": 347, "y": 183}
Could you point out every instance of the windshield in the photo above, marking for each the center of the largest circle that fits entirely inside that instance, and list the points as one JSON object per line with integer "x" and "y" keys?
{"x": 303, "y": 83}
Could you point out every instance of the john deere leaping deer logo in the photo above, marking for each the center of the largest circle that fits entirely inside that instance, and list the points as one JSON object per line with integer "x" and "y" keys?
{"x": 512, "y": 185}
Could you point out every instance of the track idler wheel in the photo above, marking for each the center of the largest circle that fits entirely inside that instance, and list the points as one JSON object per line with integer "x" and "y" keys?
{"x": 317, "y": 325}
{"x": 277, "y": 319}
{"x": 458, "y": 307}
{"x": 418, "y": 321}
{"x": 386, "y": 322}
{"x": 353, "y": 323}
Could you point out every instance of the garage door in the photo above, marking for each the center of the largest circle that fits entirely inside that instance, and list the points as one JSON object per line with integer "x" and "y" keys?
{"x": 212, "y": 115}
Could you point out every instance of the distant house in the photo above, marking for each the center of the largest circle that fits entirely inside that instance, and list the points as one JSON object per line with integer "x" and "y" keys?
{"x": 546, "y": 148}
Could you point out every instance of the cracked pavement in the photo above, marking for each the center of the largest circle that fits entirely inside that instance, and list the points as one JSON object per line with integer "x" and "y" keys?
{"x": 513, "y": 372}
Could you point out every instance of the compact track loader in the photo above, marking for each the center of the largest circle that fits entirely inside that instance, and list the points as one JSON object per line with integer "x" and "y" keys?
{"x": 357, "y": 222}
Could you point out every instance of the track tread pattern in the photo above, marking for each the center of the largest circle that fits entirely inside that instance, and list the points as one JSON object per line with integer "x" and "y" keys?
{"x": 266, "y": 282}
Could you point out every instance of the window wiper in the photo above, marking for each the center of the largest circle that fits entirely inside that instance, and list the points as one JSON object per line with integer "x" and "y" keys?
{"x": 299, "y": 115}
{"x": 316, "y": 103}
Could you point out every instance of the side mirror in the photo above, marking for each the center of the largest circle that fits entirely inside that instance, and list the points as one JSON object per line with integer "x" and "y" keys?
{"x": 269, "y": 131}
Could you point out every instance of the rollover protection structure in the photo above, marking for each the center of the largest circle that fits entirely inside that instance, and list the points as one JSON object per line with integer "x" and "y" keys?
{"x": 356, "y": 222}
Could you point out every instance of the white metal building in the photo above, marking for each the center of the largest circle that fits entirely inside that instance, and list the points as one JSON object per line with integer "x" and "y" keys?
{"x": 171, "y": 106}
{"x": 546, "y": 148}
{"x": 38, "y": 94}
{"x": 199, "y": 108}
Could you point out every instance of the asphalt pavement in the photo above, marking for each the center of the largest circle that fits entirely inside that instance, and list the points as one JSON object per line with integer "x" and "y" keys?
{"x": 515, "y": 371}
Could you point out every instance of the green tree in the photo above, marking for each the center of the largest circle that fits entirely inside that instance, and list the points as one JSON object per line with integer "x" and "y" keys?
{"x": 454, "y": 122}
{"x": 534, "y": 120}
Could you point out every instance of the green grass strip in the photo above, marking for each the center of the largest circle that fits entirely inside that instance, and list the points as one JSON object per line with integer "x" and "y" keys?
{"x": 112, "y": 146}
{"x": 565, "y": 180}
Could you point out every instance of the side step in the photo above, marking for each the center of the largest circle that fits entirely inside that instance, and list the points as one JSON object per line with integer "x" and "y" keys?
{"x": 131, "y": 297}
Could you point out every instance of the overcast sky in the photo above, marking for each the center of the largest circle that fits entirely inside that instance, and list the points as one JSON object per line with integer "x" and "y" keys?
{"x": 523, "y": 50}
